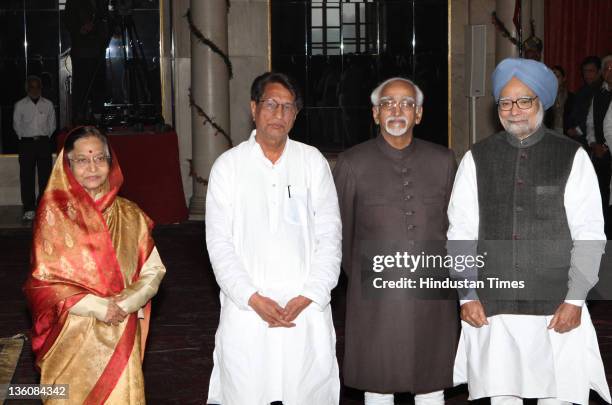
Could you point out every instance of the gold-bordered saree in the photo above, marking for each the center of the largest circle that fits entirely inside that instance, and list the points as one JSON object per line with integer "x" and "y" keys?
{"x": 81, "y": 247}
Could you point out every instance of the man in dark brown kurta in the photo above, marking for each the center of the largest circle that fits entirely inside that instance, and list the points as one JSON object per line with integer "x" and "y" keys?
{"x": 395, "y": 188}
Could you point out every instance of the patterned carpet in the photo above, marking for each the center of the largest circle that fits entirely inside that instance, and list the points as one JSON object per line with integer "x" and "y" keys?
{"x": 10, "y": 350}
{"x": 184, "y": 319}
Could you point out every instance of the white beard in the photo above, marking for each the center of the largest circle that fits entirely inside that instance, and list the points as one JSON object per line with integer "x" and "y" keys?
{"x": 396, "y": 131}
{"x": 523, "y": 129}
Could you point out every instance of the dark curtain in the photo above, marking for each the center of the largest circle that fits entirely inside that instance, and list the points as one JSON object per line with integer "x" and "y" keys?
{"x": 575, "y": 29}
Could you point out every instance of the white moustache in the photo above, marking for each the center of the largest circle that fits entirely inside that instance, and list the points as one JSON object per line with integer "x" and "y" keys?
{"x": 395, "y": 131}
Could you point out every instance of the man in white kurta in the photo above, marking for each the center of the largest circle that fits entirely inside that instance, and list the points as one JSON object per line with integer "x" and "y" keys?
{"x": 528, "y": 352}
{"x": 273, "y": 233}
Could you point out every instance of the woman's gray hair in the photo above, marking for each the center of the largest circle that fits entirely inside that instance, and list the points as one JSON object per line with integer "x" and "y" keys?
{"x": 375, "y": 96}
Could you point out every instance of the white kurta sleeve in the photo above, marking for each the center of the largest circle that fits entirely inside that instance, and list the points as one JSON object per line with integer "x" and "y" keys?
{"x": 18, "y": 120}
{"x": 91, "y": 305}
{"x": 327, "y": 253}
{"x": 607, "y": 125}
{"x": 137, "y": 294}
{"x": 582, "y": 202}
{"x": 51, "y": 124}
{"x": 229, "y": 270}
{"x": 463, "y": 206}
{"x": 463, "y": 217}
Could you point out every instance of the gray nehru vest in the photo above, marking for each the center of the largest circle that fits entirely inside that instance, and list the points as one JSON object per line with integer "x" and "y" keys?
{"x": 522, "y": 222}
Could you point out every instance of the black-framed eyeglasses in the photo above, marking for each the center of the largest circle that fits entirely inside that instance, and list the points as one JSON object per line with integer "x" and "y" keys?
{"x": 523, "y": 103}
{"x": 270, "y": 105}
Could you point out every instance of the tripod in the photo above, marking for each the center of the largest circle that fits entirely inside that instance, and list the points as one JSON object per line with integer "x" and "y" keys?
{"x": 134, "y": 84}
{"x": 132, "y": 104}
{"x": 87, "y": 23}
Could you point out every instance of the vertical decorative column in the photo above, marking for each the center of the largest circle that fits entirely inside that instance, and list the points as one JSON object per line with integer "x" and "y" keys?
{"x": 526, "y": 18}
{"x": 180, "y": 44}
{"x": 537, "y": 15}
{"x": 210, "y": 91}
{"x": 503, "y": 47}
{"x": 165, "y": 59}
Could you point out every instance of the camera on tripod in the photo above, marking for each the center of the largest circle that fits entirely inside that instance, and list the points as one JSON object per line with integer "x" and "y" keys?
{"x": 136, "y": 106}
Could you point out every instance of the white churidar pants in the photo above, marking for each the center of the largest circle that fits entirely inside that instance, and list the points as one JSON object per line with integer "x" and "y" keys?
{"x": 432, "y": 398}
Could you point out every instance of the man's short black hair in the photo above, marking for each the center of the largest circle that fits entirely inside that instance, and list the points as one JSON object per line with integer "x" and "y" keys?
{"x": 591, "y": 60}
{"x": 260, "y": 83}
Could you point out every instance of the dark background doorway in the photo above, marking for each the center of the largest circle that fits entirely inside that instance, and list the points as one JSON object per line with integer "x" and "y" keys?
{"x": 340, "y": 50}
{"x": 34, "y": 41}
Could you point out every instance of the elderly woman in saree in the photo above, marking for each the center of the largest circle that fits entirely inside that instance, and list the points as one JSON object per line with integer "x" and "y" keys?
{"x": 94, "y": 270}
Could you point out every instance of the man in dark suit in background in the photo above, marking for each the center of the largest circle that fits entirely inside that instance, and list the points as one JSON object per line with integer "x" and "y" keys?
{"x": 591, "y": 75}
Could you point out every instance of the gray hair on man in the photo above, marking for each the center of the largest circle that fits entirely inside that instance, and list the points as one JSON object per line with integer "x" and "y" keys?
{"x": 375, "y": 96}
{"x": 606, "y": 59}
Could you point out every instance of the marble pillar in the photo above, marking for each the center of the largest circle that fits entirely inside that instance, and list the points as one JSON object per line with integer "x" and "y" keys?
{"x": 210, "y": 90}
{"x": 503, "y": 47}
{"x": 248, "y": 48}
{"x": 464, "y": 13}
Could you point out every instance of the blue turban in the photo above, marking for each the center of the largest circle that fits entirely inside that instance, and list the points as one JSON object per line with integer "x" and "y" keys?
{"x": 535, "y": 75}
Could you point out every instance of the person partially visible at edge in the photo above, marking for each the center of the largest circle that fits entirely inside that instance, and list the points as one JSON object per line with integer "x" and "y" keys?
{"x": 94, "y": 270}
{"x": 273, "y": 235}
{"x": 533, "y": 194}
{"x": 599, "y": 137}
{"x": 396, "y": 188}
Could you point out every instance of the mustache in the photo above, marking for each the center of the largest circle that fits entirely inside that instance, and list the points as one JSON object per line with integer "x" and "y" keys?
{"x": 389, "y": 119}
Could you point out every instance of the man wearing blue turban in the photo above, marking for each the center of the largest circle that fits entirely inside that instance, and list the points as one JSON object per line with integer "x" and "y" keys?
{"x": 535, "y": 194}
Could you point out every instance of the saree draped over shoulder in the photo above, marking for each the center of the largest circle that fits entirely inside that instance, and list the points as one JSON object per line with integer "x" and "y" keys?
{"x": 83, "y": 248}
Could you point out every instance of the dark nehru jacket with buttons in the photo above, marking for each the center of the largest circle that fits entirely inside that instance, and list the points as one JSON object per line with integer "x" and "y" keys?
{"x": 395, "y": 342}
{"x": 523, "y": 226}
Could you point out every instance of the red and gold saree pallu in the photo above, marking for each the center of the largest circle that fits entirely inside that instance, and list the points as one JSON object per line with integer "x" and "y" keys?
{"x": 81, "y": 247}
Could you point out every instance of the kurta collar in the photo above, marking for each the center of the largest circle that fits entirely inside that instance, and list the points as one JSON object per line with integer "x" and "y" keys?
{"x": 527, "y": 142}
{"x": 256, "y": 148}
{"x": 393, "y": 153}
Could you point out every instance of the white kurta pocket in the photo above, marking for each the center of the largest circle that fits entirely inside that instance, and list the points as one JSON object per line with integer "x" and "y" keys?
{"x": 296, "y": 206}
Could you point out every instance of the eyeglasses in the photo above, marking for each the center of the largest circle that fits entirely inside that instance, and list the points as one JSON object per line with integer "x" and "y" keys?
{"x": 270, "y": 105}
{"x": 405, "y": 104}
{"x": 523, "y": 103}
{"x": 82, "y": 162}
